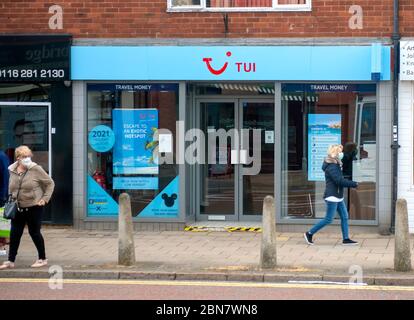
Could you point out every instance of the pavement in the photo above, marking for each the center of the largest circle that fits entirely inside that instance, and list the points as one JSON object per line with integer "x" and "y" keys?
{"x": 220, "y": 256}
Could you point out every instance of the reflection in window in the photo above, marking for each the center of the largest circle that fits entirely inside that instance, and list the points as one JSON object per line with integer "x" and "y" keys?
{"x": 24, "y": 125}
{"x": 292, "y": 2}
{"x": 237, "y": 3}
{"x": 181, "y": 3}
{"x": 353, "y": 109}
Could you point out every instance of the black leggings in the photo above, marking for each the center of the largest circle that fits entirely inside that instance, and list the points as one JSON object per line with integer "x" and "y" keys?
{"x": 33, "y": 217}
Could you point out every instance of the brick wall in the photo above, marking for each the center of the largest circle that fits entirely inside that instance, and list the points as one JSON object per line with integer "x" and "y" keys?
{"x": 407, "y": 18}
{"x": 150, "y": 19}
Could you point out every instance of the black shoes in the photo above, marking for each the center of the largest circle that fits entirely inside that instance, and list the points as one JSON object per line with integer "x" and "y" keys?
{"x": 346, "y": 242}
{"x": 349, "y": 242}
{"x": 308, "y": 238}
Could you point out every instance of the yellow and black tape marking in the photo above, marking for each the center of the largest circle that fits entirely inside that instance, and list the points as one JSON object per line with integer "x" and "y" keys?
{"x": 195, "y": 229}
{"x": 248, "y": 229}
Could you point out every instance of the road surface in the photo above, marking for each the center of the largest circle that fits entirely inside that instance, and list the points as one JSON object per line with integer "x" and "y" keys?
{"x": 45, "y": 289}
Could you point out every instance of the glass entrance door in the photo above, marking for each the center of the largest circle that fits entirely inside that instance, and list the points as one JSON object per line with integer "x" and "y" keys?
{"x": 255, "y": 187}
{"x": 217, "y": 176}
{"x": 27, "y": 123}
{"x": 226, "y": 189}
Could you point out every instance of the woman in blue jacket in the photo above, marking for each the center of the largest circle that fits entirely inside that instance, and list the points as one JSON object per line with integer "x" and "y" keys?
{"x": 334, "y": 195}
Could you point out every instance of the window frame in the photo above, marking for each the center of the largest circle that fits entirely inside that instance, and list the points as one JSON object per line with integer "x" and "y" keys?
{"x": 275, "y": 7}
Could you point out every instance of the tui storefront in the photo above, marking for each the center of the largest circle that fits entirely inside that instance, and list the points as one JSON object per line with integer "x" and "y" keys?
{"x": 36, "y": 110}
{"x": 145, "y": 117}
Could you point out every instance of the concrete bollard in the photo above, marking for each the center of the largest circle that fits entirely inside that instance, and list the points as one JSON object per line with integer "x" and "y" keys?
{"x": 126, "y": 247}
{"x": 402, "y": 253}
{"x": 268, "y": 248}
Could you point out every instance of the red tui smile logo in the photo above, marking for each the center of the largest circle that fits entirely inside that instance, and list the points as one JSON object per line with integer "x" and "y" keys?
{"x": 214, "y": 71}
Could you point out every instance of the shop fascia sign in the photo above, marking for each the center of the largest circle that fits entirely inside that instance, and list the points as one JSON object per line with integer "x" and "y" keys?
{"x": 34, "y": 58}
{"x": 258, "y": 63}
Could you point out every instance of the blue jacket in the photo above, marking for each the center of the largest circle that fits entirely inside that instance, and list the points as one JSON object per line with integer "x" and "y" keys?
{"x": 335, "y": 182}
{"x": 4, "y": 175}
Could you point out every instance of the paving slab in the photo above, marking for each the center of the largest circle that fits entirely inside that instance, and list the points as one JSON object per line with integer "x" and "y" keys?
{"x": 188, "y": 252}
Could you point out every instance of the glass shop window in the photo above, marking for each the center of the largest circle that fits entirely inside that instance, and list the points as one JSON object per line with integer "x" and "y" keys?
{"x": 241, "y": 4}
{"x": 315, "y": 116}
{"x": 131, "y": 131}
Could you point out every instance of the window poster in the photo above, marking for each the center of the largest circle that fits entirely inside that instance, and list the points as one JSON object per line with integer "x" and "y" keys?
{"x": 101, "y": 138}
{"x": 324, "y": 130}
{"x": 135, "y": 149}
{"x": 135, "y": 167}
{"x": 100, "y": 203}
{"x": 165, "y": 204}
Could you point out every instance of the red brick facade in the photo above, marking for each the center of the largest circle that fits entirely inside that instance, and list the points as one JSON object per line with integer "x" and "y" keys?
{"x": 150, "y": 19}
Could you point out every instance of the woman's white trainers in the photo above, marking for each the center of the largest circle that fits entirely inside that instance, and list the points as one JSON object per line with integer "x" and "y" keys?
{"x": 39, "y": 263}
{"x": 7, "y": 265}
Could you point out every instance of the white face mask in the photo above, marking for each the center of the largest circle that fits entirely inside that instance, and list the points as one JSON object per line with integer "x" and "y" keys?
{"x": 340, "y": 155}
{"x": 26, "y": 162}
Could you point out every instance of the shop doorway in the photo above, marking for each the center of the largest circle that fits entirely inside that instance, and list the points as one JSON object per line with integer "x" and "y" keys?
{"x": 224, "y": 192}
{"x": 27, "y": 123}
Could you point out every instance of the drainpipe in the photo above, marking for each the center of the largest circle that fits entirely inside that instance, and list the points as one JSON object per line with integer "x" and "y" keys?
{"x": 395, "y": 146}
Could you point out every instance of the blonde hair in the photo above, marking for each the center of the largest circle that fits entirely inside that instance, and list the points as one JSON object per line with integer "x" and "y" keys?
{"x": 334, "y": 150}
{"x": 23, "y": 151}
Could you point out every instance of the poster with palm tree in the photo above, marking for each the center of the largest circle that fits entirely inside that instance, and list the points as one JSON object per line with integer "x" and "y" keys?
{"x": 135, "y": 149}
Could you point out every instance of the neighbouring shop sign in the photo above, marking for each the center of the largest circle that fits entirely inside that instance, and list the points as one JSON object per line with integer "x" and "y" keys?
{"x": 35, "y": 58}
{"x": 323, "y": 130}
{"x": 407, "y": 60}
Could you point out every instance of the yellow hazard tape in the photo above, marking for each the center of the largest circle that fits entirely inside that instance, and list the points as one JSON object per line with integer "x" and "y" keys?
{"x": 248, "y": 229}
{"x": 195, "y": 229}
{"x": 229, "y": 229}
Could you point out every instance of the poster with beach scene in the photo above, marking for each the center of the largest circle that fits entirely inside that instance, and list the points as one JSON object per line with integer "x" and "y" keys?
{"x": 135, "y": 150}
{"x": 323, "y": 130}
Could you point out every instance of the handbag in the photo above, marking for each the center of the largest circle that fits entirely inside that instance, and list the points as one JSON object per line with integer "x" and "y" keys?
{"x": 11, "y": 206}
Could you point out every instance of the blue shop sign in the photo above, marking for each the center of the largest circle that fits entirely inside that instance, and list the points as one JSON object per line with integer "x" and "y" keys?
{"x": 219, "y": 63}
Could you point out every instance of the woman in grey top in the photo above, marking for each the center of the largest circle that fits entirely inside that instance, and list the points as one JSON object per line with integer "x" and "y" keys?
{"x": 36, "y": 189}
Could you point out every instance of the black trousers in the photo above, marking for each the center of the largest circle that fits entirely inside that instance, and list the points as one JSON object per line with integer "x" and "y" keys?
{"x": 33, "y": 218}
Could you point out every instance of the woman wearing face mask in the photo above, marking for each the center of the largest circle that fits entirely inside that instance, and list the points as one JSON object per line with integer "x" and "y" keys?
{"x": 334, "y": 195}
{"x": 34, "y": 188}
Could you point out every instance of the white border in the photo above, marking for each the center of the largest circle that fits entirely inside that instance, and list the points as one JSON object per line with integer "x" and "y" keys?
{"x": 275, "y": 8}
{"x": 49, "y": 109}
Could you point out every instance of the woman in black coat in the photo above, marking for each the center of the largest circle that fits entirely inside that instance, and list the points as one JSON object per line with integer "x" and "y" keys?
{"x": 334, "y": 195}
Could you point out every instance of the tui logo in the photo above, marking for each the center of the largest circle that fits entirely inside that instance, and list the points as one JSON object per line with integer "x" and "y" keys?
{"x": 216, "y": 71}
